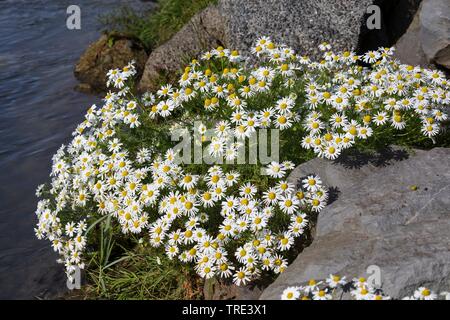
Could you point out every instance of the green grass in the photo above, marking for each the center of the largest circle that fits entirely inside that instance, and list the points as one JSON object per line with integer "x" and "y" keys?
{"x": 124, "y": 269}
{"x": 154, "y": 27}
{"x": 141, "y": 275}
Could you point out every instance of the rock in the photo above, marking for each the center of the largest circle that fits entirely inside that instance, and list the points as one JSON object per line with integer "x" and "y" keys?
{"x": 303, "y": 25}
{"x": 384, "y": 211}
{"x": 435, "y": 31}
{"x": 408, "y": 48}
{"x": 204, "y": 31}
{"x": 113, "y": 51}
{"x": 215, "y": 290}
{"x": 396, "y": 16}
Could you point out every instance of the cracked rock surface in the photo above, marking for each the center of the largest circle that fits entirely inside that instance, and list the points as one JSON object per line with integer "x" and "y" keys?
{"x": 391, "y": 210}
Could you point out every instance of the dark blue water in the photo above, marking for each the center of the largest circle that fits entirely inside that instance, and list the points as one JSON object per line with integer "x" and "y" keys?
{"x": 39, "y": 109}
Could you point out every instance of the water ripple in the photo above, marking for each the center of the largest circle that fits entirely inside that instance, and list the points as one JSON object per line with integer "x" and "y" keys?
{"x": 38, "y": 111}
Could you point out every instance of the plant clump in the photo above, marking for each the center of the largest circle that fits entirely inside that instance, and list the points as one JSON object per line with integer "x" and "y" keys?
{"x": 228, "y": 219}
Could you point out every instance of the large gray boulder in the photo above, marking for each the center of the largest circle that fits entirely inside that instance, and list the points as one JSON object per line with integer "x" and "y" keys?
{"x": 408, "y": 48}
{"x": 217, "y": 290}
{"x": 435, "y": 31}
{"x": 392, "y": 211}
{"x": 302, "y": 25}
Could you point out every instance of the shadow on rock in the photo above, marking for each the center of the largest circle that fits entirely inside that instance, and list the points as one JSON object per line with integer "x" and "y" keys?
{"x": 356, "y": 159}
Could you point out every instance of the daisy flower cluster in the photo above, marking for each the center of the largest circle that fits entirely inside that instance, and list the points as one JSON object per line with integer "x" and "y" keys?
{"x": 227, "y": 220}
{"x": 215, "y": 220}
{"x": 335, "y": 286}
{"x": 354, "y": 103}
{"x": 336, "y": 102}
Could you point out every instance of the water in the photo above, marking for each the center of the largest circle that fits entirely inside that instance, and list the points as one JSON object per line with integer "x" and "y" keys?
{"x": 38, "y": 111}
